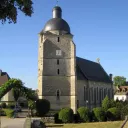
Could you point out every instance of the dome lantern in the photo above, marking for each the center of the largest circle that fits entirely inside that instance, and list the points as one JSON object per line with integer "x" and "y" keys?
{"x": 57, "y": 23}
{"x": 57, "y": 12}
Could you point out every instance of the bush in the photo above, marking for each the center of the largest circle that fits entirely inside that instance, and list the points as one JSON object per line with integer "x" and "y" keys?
{"x": 2, "y": 113}
{"x": 42, "y": 107}
{"x": 9, "y": 112}
{"x": 84, "y": 114}
{"x": 99, "y": 114}
{"x": 76, "y": 118}
{"x": 92, "y": 117}
{"x": 38, "y": 124}
{"x": 106, "y": 104}
{"x": 3, "y": 105}
{"x": 56, "y": 117}
{"x": 112, "y": 103}
{"x": 119, "y": 105}
{"x": 11, "y": 105}
{"x": 113, "y": 114}
{"x": 124, "y": 112}
{"x": 66, "y": 115}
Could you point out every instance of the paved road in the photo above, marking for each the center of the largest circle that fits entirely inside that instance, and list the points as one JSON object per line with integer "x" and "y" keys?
{"x": 12, "y": 123}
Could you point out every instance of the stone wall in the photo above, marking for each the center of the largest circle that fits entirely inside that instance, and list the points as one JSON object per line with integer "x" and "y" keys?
{"x": 91, "y": 93}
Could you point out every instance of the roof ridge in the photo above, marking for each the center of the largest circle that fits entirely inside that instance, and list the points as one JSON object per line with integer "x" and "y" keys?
{"x": 87, "y": 60}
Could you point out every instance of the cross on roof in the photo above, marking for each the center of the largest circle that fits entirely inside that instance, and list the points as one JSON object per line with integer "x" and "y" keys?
{"x": 57, "y": 1}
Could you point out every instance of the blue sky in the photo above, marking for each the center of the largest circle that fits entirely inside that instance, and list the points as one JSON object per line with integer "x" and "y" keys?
{"x": 100, "y": 29}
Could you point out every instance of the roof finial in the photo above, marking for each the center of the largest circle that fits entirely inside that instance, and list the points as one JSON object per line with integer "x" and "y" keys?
{"x": 57, "y": 1}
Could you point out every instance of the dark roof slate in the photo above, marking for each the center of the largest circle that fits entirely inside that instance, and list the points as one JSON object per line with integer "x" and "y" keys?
{"x": 91, "y": 71}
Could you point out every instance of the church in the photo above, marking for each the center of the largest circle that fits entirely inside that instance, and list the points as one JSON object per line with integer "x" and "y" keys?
{"x": 63, "y": 78}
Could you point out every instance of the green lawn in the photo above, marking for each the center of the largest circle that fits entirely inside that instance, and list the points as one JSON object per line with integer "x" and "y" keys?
{"x": 115, "y": 124}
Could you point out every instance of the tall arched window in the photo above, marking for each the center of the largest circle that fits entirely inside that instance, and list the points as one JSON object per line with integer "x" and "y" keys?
{"x": 92, "y": 93}
{"x": 97, "y": 93}
{"x": 84, "y": 93}
{"x": 58, "y": 94}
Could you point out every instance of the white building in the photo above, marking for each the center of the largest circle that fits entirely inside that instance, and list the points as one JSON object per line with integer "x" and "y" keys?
{"x": 122, "y": 93}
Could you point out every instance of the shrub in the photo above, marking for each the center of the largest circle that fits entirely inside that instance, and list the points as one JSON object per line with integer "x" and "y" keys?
{"x": 124, "y": 112}
{"x": 106, "y": 103}
{"x": 56, "y": 117}
{"x": 112, "y": 103}
{"x": 66, "y": 115}
{"x": 119, "y": 105}
{"x": 42, "y": 107}
{"x": 2, "y": 113}
{"x": 11, "y": 105}
{"x": 3, "y": 105}
{"x": 92, "y": 116}
{"x": 113, "y": 114}
{"x": 76, "y": 118}
{"x": 84, "y": 114}
{"x": 38, "y": 124}
{"x": 9, "y": 112}
{"x": 99, "y": 114}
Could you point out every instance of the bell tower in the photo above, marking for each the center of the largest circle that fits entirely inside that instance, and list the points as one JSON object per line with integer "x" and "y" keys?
{"x": 57, "y": 63}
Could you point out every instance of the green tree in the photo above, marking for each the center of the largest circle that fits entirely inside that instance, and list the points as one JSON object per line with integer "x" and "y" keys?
{"x": 9, "y": 9}
{"x": 119, "y": 81}
{"x": 106, "y": 104}
{"x": 42, "y": 107}
{"x": 31, "y": 106}
{"x": 84, "y": 114}
{"x": 18, "y": 89}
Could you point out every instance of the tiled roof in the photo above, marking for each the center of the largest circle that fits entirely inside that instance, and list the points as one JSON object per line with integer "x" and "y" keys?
{"x": 91, "y": 71}
{"x": 4, "y": 77}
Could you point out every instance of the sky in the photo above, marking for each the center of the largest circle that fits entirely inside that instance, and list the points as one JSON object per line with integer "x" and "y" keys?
{"x": 100, "y": 29}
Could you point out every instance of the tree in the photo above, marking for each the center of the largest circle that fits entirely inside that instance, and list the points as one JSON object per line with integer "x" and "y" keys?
{"x": 106, "y": 104}
{"x": 119, "y": 81}
{"x": 42, "y": 107}
{"x": 9, "y": 9}
{"x": 31, "y": 106}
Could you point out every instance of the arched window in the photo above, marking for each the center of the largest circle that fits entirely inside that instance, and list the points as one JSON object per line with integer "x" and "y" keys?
{"x": 58, "y": 71}
{"x": 92, "y": 93}
{"x": 58, "y": 94}
{"x": 84, "y": 93}
{"x": 97, "y": 93}
{"x": 58, "y": 39}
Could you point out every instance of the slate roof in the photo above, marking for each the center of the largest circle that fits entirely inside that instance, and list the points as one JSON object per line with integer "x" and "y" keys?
{"x": 90, "y": 70}
{"x": 4, "y": 77}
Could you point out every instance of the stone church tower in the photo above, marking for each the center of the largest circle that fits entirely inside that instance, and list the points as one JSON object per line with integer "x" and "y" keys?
{"x": 57, "y": 63}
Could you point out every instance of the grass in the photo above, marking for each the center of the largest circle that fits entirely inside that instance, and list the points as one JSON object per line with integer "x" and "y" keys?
{"x": 115, "y": 124}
